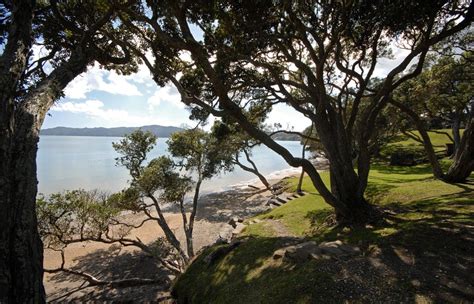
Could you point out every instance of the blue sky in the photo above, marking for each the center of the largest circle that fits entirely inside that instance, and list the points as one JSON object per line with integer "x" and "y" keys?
{"x": 100, "y": 98}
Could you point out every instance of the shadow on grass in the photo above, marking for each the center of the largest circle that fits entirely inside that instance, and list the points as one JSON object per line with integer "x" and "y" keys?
{"x": 249, "y": 274}
{"x": 408, "y": 170}
{"x": 110, "y": 264}
{"x": 424, "y": 250}
{"x": 419, "y": 258}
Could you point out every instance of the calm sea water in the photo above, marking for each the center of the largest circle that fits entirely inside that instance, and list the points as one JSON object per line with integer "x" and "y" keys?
{"x": 73, "y": 162}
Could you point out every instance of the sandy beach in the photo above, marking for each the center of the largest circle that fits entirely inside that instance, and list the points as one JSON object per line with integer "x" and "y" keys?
{"x": 112, "y": 262}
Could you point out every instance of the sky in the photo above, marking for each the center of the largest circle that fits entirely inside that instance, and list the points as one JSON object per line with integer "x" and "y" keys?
{"x": 100, "y": 98}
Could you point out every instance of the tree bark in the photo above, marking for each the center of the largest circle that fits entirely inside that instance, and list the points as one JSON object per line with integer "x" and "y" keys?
{"x": 21, "y": 263}
{"x": 346, "y": 185}
{"x": 192, "y": 217}
{"x": 21, "y": 247}
{"x": 463, "y": 163}
{"x": 303, "y": 150}
{"x": 456, "y": 126}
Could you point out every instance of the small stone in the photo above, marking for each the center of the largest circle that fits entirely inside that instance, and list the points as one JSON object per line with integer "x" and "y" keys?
{"x": 279, "y": 253}
{"x": 233, "y": 221}
{"x": 333, "y": 244}
{"x": 238, "y": 228}
{"x": 302, "y": 252}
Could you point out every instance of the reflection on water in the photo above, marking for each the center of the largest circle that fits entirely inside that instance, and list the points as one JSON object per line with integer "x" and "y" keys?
{"x": 71, "y": 162}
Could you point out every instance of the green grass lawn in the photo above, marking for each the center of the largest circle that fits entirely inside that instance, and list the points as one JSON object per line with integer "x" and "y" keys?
{"x": 402, "y": 142}
{"x": 421, "y": 253}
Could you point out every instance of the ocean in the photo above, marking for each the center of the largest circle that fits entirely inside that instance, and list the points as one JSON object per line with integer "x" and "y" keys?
{"x": 83, "y": 162}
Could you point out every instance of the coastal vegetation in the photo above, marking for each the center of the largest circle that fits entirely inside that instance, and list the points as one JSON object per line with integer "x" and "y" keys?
{"x": 428, "y": 226}
{"x": 235, "y": 61}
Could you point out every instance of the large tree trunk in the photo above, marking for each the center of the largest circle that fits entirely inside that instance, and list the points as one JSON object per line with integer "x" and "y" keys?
{"x": 349, "y": 203}
{"x": 346, "y": 184}
{"x": 21, "y": 268}
{"x": 21, "y": 249}
{"x": 463, "y": 163}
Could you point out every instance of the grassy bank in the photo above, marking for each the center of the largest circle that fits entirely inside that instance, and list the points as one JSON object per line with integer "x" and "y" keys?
{"x": 422, "y": 253}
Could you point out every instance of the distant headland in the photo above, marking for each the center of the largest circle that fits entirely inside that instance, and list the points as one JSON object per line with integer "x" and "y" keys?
{"x": 160, "y": 131}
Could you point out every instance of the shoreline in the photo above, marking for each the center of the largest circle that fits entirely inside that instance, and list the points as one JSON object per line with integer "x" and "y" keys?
{"x": 108, "y": 262}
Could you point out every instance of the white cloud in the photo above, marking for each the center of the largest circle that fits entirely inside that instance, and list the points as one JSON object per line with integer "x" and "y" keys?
{"x": 288, "y": 117}
{"x": 96, "y": 79}
{"x": 113, "y": 117}
{"x": 385, "y": 65}
{"x": 92, "y": 107}
{"x": 165, "y": 95}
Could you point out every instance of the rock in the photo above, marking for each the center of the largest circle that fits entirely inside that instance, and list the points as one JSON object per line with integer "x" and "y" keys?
{"x": 333, "y": 244}
{"x": 273, "y": 202}
{"x": 350, "y": 249}
{"x": 279, "y": 253}
{"x": 239, "y": 227}
{"x": 301, "y": 252}
{"x": 337, "y": 248}
{"x": 318, "y": 256}
{"x": 234, "y": 221}
{"x": 311, "y": 250}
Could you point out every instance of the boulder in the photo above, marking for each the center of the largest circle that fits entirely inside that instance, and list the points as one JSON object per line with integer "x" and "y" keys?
{"x": 220, "y": 252}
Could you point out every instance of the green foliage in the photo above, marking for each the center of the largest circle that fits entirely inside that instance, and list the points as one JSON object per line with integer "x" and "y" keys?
{"x": 198, "y": 151}
{"x": 194, "y": 150}
{"x": 424, "y": 207}
{"x": 74, "y": 214}
{"x": 441, "y": 92}
{"x": 134, "y": 149}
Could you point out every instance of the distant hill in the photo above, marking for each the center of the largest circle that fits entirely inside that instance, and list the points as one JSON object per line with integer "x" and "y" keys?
{"x": 160, "y": 131}
{"x": 286, "y": 136}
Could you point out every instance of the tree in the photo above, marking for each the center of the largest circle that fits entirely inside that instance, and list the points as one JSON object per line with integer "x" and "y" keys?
{"x": 92, "y": 216}
{"x": 162, "y": 180}
{"x": 306, "y": 142}
{"x": 72, "y": 35}
{"x": 443, "y": 91}
{"x": 316, "y": 57}
{"x": 234, "y": 141}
